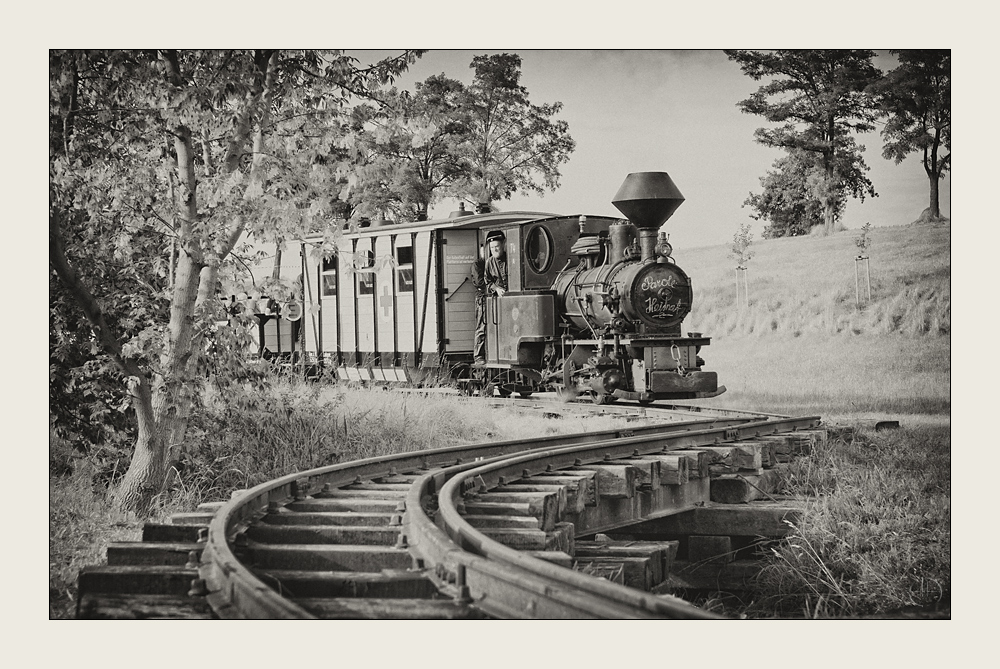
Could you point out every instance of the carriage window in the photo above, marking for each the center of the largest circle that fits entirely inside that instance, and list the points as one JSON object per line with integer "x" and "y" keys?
{"x": 329, "y": 276}
{"x": 404, "y": 269}
{"x": 538, "y": 249}
{"x": 363, "y": 259}
{"x": 366, "y": 283}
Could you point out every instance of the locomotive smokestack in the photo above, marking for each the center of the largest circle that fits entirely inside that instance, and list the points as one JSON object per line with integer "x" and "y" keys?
{"x": 648, "y": 199}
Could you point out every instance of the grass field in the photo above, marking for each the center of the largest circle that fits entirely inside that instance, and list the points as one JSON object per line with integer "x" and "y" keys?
{"x": 877, "y": 539}
{"x": 834, "y": 376}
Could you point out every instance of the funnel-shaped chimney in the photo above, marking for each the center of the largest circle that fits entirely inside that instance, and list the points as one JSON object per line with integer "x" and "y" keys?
{"x": 648, "y": 199}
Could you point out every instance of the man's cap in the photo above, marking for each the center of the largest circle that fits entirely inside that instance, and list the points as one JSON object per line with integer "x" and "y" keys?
{"x": 495, "y": 234}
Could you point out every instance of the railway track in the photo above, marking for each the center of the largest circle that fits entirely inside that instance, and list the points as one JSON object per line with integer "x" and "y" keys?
{"x": 593, "y": 525}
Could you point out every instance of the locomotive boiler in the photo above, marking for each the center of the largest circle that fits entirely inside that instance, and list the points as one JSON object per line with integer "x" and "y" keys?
{"x": 623, "y": 302}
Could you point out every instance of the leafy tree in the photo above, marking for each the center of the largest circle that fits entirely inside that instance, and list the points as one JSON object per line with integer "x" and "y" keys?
{"x": 790, "y": 199}
{"x": 916, "y": 99}
{"x": 410, "y": 146}
{"x": 512, "y": 145}
{"x": 740, "y": 250}
{"x": 818, "y": 95}
{"x": 89, "y": 405}
{"x": 864, "y": 241}
{"x": 195, "y": 148}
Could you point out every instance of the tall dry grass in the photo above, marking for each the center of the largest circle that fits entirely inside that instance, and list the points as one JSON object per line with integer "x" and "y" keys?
{"x": 81, "y": 524}
{"x": 238, "y": 441}
{"x": 299, "y": 425}
{"x": 808, "y": 285}
{"x": 875, "y": 539}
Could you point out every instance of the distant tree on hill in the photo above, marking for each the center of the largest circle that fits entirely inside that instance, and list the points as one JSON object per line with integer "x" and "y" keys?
{"x": 512, "y": 144}
{"x": 791, "y": 196}
{"x": 787, "y": 201}
{"x": 915, "y": 97}
{"x": 818, "y": 95}
{"x": 864, "y": 240}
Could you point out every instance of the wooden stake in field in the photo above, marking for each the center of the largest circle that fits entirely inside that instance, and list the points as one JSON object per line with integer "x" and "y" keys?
{"x": 863, "y": 242}
{"x": 740, "y": 251}
{"x": 858, "y": 262}
{"x": 742, "y": 271}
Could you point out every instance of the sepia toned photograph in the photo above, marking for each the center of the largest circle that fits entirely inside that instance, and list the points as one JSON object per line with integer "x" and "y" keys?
{"x": 535, "y": 334}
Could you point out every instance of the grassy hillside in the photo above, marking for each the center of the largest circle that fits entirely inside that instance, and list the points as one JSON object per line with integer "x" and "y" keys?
{"x": 807, "y": 284}
{"x": 804, "y": 345}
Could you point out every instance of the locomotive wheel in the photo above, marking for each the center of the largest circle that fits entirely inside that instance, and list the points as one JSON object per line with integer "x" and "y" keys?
{"x": 569, "y": 369}
{"x": 463, "y": 372}
{"x": 604, "y": 398}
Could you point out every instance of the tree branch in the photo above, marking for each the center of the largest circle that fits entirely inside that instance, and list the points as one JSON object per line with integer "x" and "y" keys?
{"x": 88, "y": 303}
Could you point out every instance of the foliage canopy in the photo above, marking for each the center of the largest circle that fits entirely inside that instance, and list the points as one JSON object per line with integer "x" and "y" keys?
{"x": 159, "y": 162}
{"x": 482, "y": 143}
{"x": 817, "y": 96}
{"x": 915, "y": 99}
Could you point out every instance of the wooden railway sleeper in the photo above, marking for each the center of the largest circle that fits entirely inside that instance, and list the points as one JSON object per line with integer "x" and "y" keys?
{"x": 455, "y": 488}
{"x": 229, "y": 590}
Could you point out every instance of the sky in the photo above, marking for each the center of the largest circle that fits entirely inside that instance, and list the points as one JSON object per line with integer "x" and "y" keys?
{"x": 668, "y": 111}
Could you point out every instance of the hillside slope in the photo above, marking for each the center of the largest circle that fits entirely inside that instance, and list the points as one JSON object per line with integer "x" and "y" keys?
{"x": 807, "y": 285}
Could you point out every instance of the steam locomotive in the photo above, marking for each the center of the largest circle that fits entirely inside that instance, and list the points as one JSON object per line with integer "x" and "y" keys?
{"x": 594, "y": 304}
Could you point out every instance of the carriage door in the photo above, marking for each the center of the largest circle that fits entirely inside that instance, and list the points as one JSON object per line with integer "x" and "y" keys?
{"x": 460, "y": 295}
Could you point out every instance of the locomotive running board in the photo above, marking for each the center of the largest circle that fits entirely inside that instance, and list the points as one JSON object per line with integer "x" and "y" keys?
{"x": 634, "y": 397}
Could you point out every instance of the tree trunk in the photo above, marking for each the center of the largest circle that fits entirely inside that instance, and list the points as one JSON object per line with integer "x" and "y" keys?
{"x": 172, "y": 392}
{"x": 172, "y": 395}
{"x": 829, "y": 201}
{"x": 176, "y": 391}
{"x": 142, "y": 481}
{"x": 828, "y": 217}
{"x": 933, "y": 170}
{"x": 935, "y": 208}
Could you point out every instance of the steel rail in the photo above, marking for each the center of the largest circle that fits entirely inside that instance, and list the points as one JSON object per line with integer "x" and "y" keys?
{"x": 502, "y": 589}
{"x": 234, "y": 591}
{"x": 492, "y": 474}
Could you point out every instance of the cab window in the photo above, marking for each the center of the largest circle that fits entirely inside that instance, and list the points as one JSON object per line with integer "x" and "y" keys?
{"x": 538, "y": 249}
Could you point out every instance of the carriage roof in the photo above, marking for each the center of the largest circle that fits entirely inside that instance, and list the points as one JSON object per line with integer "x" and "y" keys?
{"x": 468, "y": 221}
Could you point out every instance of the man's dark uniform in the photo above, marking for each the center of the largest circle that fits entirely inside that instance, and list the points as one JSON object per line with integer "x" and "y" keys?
{"x": 487, "y": 277}
{"x": 496, "y": 274}
{"x": 478, "y": 270}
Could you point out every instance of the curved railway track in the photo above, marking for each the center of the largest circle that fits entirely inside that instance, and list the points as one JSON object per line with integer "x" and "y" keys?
{"x": 495, "y": 530}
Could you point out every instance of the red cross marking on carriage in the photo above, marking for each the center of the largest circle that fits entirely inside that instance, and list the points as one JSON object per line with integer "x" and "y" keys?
{"x": 385, "y": 301}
